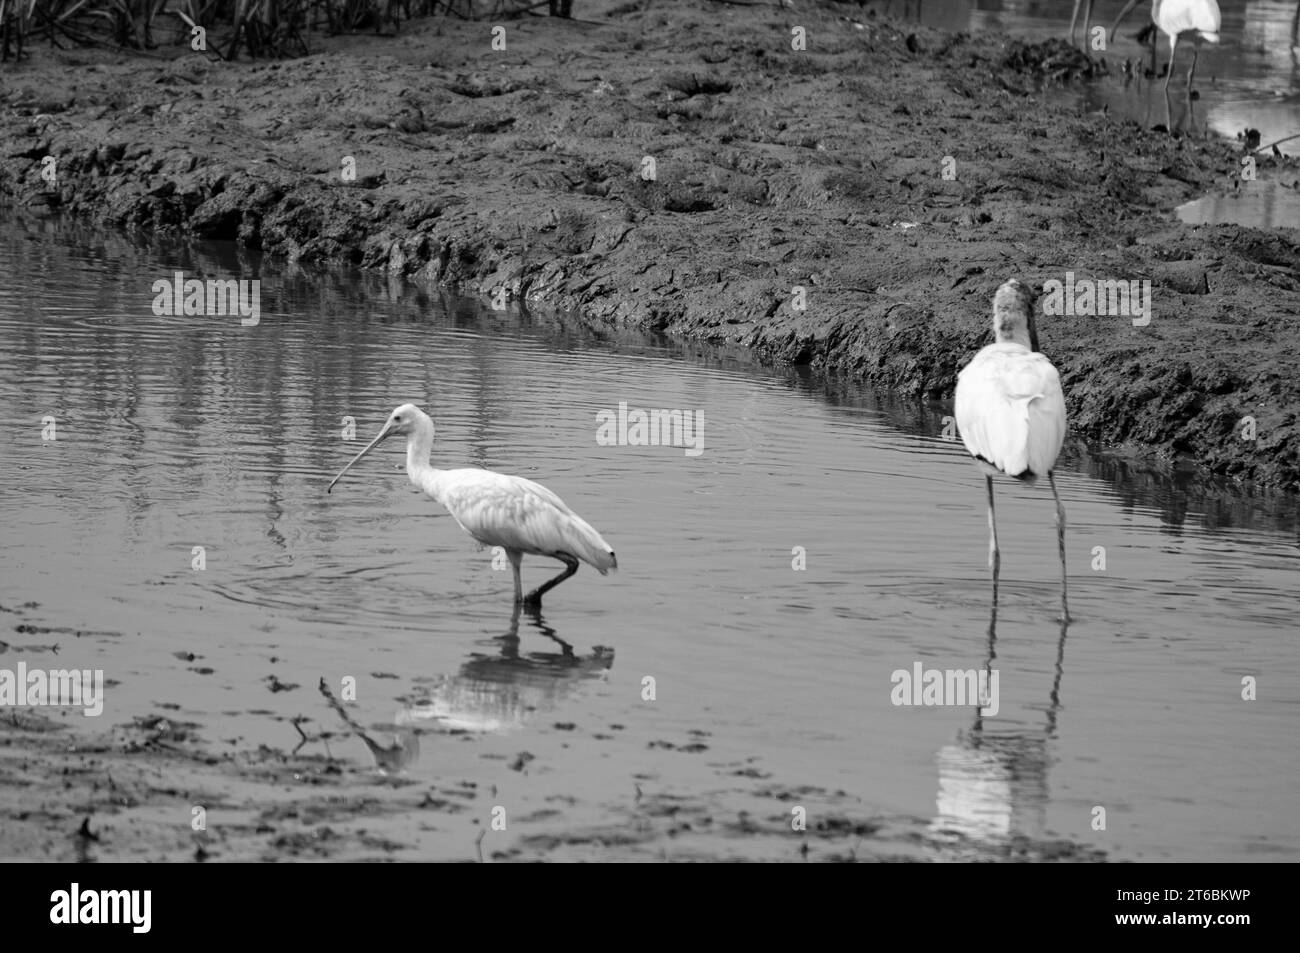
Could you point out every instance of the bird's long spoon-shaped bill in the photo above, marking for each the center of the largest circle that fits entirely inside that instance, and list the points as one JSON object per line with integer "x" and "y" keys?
{"x": 1128, "y": 8}
{"x": 382, "y": 434}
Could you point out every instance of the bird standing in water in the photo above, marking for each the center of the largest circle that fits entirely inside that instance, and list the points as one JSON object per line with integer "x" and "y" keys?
{"x": 1011, "y": 411}
{"x": 516, "y": 514}
{"x": 1200, "y": 19}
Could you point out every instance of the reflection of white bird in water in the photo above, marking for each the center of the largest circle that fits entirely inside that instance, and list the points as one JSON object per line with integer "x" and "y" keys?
{"x": 993, "y": 783}
{"x": 1200, "y": 19}
{"x": 500, "y": 693}
{"x": 516, "y": 514}
{"x": 1011, "y": 412}
{"x": 993, "y": 787}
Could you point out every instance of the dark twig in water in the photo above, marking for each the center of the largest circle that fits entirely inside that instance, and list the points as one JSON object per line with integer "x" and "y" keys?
{"x": 296, "y": 721}
{"x": 389, "y": 757}
{"x": 1278, "y": 142}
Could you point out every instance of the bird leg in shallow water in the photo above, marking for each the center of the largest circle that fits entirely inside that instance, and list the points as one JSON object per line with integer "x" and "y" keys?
{"x": 995, "y": 557}
{"x": 516, "y": 558}
{"x": 1191, "y": 115}
{"x": 1060, "y": 545}
{"x": 534, "y": 598}
{"x": 993, "y": 626}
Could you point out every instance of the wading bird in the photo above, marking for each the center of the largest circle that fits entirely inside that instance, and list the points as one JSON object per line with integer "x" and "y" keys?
{"x": 1200, "y": 19}
{"x": 1011, "y": 412}
{"x": 516, "y": 514}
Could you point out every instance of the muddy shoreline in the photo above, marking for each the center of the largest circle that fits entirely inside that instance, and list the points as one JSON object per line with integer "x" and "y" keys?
{"x": 774, "y": 169}
{"x": 159, "y": 788}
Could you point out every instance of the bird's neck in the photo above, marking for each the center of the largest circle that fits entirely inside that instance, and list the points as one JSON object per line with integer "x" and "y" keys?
{"x": 1020, "y": 337}
{"x": 418, "y": 449}
{"x": 1016, "y": 334}
{"x": 1010, "y": 327}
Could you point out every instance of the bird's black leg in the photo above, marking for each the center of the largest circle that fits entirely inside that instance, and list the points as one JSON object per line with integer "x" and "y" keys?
{"x": 995, "y": 557}
{"x": 571, "y": 564}
{"x": 1060, "y": 545}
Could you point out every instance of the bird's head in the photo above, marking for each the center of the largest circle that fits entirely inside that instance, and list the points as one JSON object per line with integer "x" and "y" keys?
{"x": 402, "y": 422}
{"x": 1013, "y": 314}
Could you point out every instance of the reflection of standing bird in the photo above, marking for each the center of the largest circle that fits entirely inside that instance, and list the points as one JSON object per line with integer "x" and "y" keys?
{"x": 1200, "y": 19}
{"x": 516, "y": 514}
{"x": 500, "y": 693}
{"x": 1011, "y": 411}
{"x": 992, "y": 788}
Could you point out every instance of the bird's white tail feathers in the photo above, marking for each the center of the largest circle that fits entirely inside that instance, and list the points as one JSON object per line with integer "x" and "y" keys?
{"x": 1002, "y": 436}
{"x": 1045, "y": 425}
{"x": 1010, "y": 411}
{"x": 1028, "y": 438}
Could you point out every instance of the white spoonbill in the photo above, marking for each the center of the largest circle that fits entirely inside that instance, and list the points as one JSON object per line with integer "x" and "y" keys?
{"x": 1011, "y": 412}
{"x": 516, "y": 514}
{"x": 1200, "y": 19}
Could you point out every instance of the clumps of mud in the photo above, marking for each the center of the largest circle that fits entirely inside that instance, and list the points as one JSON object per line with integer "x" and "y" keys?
{"x": 756, "y": 825}
{"x": 1052, "y": 61}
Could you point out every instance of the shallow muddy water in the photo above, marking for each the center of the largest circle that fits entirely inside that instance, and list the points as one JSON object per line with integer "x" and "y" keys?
{"x": 179, "y": 432}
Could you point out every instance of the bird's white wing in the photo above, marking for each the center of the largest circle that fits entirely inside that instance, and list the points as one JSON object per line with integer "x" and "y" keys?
{"x": 1010, "y": 409}
{"x": 510, "y": 511}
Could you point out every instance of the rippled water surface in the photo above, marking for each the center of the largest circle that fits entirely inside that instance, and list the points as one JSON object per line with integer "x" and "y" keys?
{"x": 175, "y": 433}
